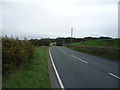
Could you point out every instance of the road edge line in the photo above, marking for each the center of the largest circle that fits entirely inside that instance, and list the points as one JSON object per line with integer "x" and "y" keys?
{"x": 56, "y": 72}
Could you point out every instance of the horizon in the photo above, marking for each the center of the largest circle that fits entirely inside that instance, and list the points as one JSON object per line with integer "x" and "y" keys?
{"x": 56, "y": 37}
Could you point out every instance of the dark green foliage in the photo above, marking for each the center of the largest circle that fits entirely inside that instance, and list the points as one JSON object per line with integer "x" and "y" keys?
{"x": 95, "y": 38}
{"x": 62, "y": 40}
{"x": 59, "y": 43}
{"x": 40, "y": 42}
{"x": 68, "y": 39}
{"x": 15, "y": 52}
{"x": 45, "y": 42}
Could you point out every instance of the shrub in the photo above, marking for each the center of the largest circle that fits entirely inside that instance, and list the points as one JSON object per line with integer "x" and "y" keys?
{"x": 40, "y": 42}
{"x": 15, "y": 53}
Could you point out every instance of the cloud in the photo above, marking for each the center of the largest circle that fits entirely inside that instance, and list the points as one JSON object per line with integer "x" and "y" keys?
{"x": 97, "y": 34}
{"x": 54, "y": 18}
{"x": 73, "y": 1}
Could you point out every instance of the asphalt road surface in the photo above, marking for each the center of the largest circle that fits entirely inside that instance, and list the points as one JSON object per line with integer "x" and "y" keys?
{"x": 79, "y": 70}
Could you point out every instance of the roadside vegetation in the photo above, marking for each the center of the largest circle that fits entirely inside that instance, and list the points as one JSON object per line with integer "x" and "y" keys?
{"x": 24, "y": 65}
{"x": 101, "y": 42}
{"x": 106, "y": 48}
{"x": 34, "y": 73}
{"x": 15, "y": 53}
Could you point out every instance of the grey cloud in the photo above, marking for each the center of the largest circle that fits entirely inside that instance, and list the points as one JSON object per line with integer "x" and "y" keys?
{"x": 54, "y": 19}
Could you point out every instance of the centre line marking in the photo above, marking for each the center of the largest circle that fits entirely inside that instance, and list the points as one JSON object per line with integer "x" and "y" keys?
{"x": 79, "y": 59}
{"x": 114, "y": 76}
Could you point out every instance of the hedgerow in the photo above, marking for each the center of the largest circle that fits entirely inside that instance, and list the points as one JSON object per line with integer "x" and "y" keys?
{"x": 15, "y": 52}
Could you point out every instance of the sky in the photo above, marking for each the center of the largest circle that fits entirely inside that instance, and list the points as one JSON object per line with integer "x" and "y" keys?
{"x": 54, "y": 18}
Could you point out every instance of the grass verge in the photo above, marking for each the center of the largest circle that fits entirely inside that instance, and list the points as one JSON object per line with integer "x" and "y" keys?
{"x": 106, "y": 48}
{"x": 113, "y": 57}
{"x": 34, "y": 74}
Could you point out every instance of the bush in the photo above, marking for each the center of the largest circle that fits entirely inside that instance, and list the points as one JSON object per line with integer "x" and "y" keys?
{"x": 40, "y": 42}
{"x": 59, "y": 43}
{"x": 15, "y": 52}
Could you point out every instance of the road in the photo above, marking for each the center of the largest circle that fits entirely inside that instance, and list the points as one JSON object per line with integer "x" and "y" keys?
{"x": 79, "y": 70}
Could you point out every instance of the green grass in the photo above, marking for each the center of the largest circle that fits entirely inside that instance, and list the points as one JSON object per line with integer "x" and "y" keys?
{"x": 113, "y": 57}
{"x": 101, "y": 42}
{"x": 105, "y": 43}
{"x": 34, "y": 74}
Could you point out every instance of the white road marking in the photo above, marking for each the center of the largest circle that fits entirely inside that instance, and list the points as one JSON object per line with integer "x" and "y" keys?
{"x": 79, "y": 59}
{"x": 114, "y": 75}
{"x": 58, "y": 77}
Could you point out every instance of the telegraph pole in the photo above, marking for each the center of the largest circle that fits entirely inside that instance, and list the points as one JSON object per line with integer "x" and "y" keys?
{"x": 71, "y": 34}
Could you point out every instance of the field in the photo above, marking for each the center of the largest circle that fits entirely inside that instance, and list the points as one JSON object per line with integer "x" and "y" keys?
{"x": 33, "y": 74}
{"x": 101, "y": 42}
{"x": 106, "y": 48}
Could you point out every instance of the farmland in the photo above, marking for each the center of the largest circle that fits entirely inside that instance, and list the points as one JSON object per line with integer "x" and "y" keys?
{"x": 106, "y": 48}
{"x": 102, "y": 42}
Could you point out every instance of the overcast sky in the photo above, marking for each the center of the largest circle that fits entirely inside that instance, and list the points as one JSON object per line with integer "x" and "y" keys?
{"x": 54, "y": 18}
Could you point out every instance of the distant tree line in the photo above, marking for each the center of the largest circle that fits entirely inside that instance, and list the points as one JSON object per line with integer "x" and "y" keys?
{"x": 40, "y": 42}
{"x": 61, "y": 40}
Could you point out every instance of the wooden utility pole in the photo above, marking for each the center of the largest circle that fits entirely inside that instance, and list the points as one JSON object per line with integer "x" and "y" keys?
{"x": 71, "y": 34}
